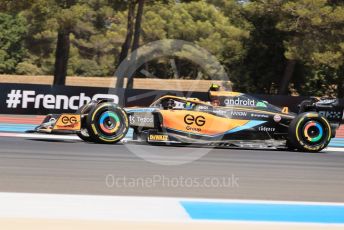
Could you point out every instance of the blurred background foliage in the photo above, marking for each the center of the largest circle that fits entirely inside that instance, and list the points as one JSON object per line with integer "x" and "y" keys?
{"x": 266, "y": 46}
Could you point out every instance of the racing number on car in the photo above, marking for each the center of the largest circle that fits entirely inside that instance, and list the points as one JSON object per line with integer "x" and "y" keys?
{"x": 190, "y": 119}
{"x": 285, "y": 110}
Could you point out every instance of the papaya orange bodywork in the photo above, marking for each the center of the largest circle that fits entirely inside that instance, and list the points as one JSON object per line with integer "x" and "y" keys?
{"x": 200, "y": 123}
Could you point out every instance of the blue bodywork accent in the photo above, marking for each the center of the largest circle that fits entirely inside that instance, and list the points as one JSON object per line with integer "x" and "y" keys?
{"x": 249, "y": 125}
{"x": 140, "y": 110}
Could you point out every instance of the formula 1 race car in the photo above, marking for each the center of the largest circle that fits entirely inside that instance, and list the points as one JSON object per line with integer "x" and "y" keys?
{"x": 227, "y": 119}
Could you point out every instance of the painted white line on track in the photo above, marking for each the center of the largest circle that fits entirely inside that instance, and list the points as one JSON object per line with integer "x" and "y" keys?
{"x": 43, "y": 136}
{"x": 332, "y": 149}
{"x": 74, "y": 137}
{"x": 115, "y": 208}
{"x": 86, "y": 207}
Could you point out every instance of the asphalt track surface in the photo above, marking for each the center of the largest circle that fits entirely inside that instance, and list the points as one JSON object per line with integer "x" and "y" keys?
{"x": 75, "y": 167}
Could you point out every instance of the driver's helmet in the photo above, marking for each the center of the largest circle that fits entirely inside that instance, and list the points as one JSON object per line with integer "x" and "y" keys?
{"x": 214, "y": 87}
{"x": 212, "y": 99}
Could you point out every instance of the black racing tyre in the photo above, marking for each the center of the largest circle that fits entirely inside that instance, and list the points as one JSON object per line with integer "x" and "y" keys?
{"x": 289, "y": 146}
{"x": 107, "y": 123}
{"x": 85, "y": 109}
{"x": 310, "y": 132}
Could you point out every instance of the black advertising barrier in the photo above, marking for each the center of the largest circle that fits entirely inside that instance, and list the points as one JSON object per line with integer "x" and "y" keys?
{"x": 44, "y": 99}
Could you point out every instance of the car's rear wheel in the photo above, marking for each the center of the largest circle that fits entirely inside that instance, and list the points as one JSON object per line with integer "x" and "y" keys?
{"x": 107, "y": 123}
{"x": 309, "y": 132}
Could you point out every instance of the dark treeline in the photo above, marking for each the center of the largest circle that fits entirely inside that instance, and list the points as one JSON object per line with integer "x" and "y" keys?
{"x": 266, "y": 46}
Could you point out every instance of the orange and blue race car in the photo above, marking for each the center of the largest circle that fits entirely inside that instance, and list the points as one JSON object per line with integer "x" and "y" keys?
{"x": 228, "y": 119}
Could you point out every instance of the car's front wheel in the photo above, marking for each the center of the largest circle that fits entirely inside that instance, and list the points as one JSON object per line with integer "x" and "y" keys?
{"x": 107, "y": 123}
